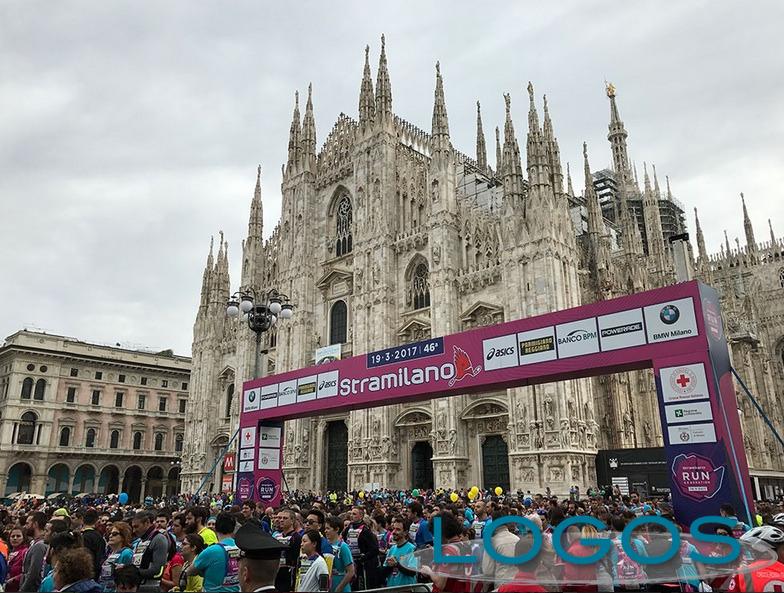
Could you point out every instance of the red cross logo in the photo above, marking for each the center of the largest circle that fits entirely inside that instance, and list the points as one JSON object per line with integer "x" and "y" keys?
{"x": 247, "y": 436}
{"x": 683, "y": 381}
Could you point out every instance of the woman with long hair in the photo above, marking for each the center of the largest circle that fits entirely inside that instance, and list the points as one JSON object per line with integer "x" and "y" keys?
{"x": 20, "y": 543}
{"x": 119, "y": 552}
{"x": 192, "y": 546}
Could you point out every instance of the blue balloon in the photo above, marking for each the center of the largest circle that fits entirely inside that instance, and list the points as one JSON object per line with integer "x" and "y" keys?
{"x": 123, "y": 498}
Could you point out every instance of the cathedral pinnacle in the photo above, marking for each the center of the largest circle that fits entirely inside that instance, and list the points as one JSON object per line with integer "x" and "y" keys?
{"x": 547, "y": 125}
{"x": 294, "y": 137}
{"x": 481, "y": 149}
{"x": 703, "y": 254}
{"x": 498, "y": 158}
{"x": 308, "y": 141}
{"x": 569, "y": 188}
{"x": 367, "y": 104}
{"x": 533, "y": 117}
{"x": 440, "y": 124}
{"x": 383, "y": 86}
{"x": 656, "y": 189}
{"x": 669, "y": 192}
{"x": 772, "y": 234}
{"x": 255, "y": 220}
{"x": 751, "y": 244}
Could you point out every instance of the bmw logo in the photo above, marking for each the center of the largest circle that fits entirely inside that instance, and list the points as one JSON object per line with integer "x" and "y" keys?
{"x": 669, "y": 314}
{"x": 252, "y": 396}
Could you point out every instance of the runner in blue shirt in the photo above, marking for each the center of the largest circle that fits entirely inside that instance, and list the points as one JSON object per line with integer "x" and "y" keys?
{"x": 342, "y": 562}
{"x": 218, "y": 564}
{"x": 400, "y": 573}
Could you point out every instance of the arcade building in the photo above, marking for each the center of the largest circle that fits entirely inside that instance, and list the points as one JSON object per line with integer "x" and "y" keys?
{"x": 390, "y": 235}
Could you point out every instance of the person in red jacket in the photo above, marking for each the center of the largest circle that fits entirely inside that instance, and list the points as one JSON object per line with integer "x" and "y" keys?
{"x": 581, "y": 577}
{"x": 758, "y": 576}
{"x": 19, "y": 546}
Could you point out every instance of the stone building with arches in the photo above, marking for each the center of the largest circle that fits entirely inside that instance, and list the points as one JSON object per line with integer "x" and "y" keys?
{"x": 389, "y": 234}
{"x": 87, "y": 418}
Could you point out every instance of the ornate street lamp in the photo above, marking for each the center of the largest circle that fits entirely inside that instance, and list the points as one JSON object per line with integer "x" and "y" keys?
{"x": 261, "y": 310}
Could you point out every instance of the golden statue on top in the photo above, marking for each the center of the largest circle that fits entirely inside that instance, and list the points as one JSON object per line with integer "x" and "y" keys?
{"x": 610, "y": 89}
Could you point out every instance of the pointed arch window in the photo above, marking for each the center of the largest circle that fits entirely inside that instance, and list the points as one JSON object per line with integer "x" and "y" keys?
{"x": 27, "y": 426}
{"x": 338, "y": 323}
{"x": 137, "y": 441}
{"x": 343, "y": 239}
{"x": 27, "y": 388}
{"x": 40, "y": 388}
{"x": 114, "y": 439}
{"x": 229, "y": 400}
{"x": 90, "y": 440}
{"x": 781, "y": 277}
{"x": 159, "y": 441}
{"x": 65, "y": 436}
{"x": 420, "y": 286}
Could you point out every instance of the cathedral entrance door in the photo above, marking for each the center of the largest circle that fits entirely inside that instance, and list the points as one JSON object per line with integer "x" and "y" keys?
{"x": 337, "y": 456}
{"x": 495, "y": 463}
{"x": 422, "y": 465}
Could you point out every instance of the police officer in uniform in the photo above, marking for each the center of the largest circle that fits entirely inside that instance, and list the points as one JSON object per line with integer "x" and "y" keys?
{"x": 259, "y": 558}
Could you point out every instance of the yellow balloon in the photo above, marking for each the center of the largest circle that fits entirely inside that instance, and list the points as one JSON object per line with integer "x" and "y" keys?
{"x": 362, "y": 494}
{"x": 475, "y": 490}
{"x": 454, "y": 497}
{"x": 499, "y": 491}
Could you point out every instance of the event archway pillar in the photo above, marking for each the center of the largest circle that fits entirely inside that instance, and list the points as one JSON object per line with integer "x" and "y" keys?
{"x": 676, "y": 330}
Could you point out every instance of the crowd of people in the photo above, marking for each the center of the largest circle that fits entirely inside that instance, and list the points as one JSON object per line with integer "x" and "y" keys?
{"x": 358, "y": 541}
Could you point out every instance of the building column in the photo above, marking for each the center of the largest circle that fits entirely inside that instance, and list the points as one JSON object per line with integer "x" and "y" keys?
{"x": 319, "y": 465}
{"x": 38, "y": 484}
{"x": 164, "y": 484}
{"x": 144, "y": 489}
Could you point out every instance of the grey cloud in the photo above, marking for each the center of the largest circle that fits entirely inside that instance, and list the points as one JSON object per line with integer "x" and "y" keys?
{"x": 131, "y": 131}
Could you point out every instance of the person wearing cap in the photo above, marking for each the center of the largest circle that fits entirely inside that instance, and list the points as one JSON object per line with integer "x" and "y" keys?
{"x": 259, "y": 558}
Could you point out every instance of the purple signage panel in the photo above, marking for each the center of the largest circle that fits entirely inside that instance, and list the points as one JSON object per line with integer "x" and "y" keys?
{"x": 604, "y": 337}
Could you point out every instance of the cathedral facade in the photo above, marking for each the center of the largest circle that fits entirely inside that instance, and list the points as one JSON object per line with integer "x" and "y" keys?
{"x": 389, "y": 234}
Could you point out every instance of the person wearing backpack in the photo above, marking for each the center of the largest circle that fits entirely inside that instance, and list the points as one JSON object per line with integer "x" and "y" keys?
{"x": 151, "y": 551}
{"x": 219, "y": 564}
{"x": 93, "y": 541}
{"x": 626, "y": 573}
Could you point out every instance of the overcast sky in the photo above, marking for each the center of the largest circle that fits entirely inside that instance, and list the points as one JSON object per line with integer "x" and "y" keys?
{"x": 130, "y": 131}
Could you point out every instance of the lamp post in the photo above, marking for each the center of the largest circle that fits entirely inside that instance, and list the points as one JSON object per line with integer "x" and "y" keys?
{"x": 261, "y": 309}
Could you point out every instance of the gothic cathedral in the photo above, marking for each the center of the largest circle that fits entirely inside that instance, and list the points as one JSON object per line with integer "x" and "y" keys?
{"x": 388, "y": 235}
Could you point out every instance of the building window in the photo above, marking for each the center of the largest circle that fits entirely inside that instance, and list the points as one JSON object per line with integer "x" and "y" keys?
{"x": 31, "y": 367}
{"x": 27, "y": 426}
{"x": 70, "y": 396}
{"x": 164, "y": 383}
{"x": 343, "y": 240}
{"x": 114, "y": 439}
{"x": 178, "y": 443}
{"x": 142, "y": 403}
{"x": 98, "y": 375}
{"x": 159, "y": 442}
{"x": 90, "y": 440}
{"x": 118, "y": 399}
{"x": 182, "y": 405}
{"x": 161, "y": 404}
{"x": 229, "y": 400}
{"x": 338, "y": 323}
{"x": 144, "y": 380}
{"x": 40, "y": 387}
{"x": 420, "y": 287}
{"x": 27, "y": 388}
{"x": 121, "y": 378}
{"x": 65, "y": 436}
{"x": 74, "y": 372}
{"x": 781, "y": 277}
{"x": 185, "y": 387}
{"x": 96, "y": 400}
{"x": 137, "y": 441}
{"x": 44, "y": 368}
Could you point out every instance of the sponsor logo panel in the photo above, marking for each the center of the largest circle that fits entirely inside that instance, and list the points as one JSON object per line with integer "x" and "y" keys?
{"x": 577, "y": 338}
{"x": 690, "y": 434}
{"x": 672, "y": 320}
{"x": 269, "y": 396}
{"x": 246, "y": 466}
{"x": 247, "y": 454}
{"x": 688, "y": 412}
{"x": 696, "y": 477}
{"x": 306, "y": 388}
{"x": 536, "y": 345}
{"x": 248, "y": 437}
{"x": 269, "y": 436}
{"x": 621, "y": 330}
{"x": 683, "y": 383}
{"x": 251, "y": 400}
{"x": 501, "y": 352}
{"x": 287, "y": 393}
{"x": 269, "y": 458}
{"x": 327, "y": 384}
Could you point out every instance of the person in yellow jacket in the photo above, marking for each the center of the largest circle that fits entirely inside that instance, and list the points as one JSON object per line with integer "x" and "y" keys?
{"x": 192, "y": 546}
